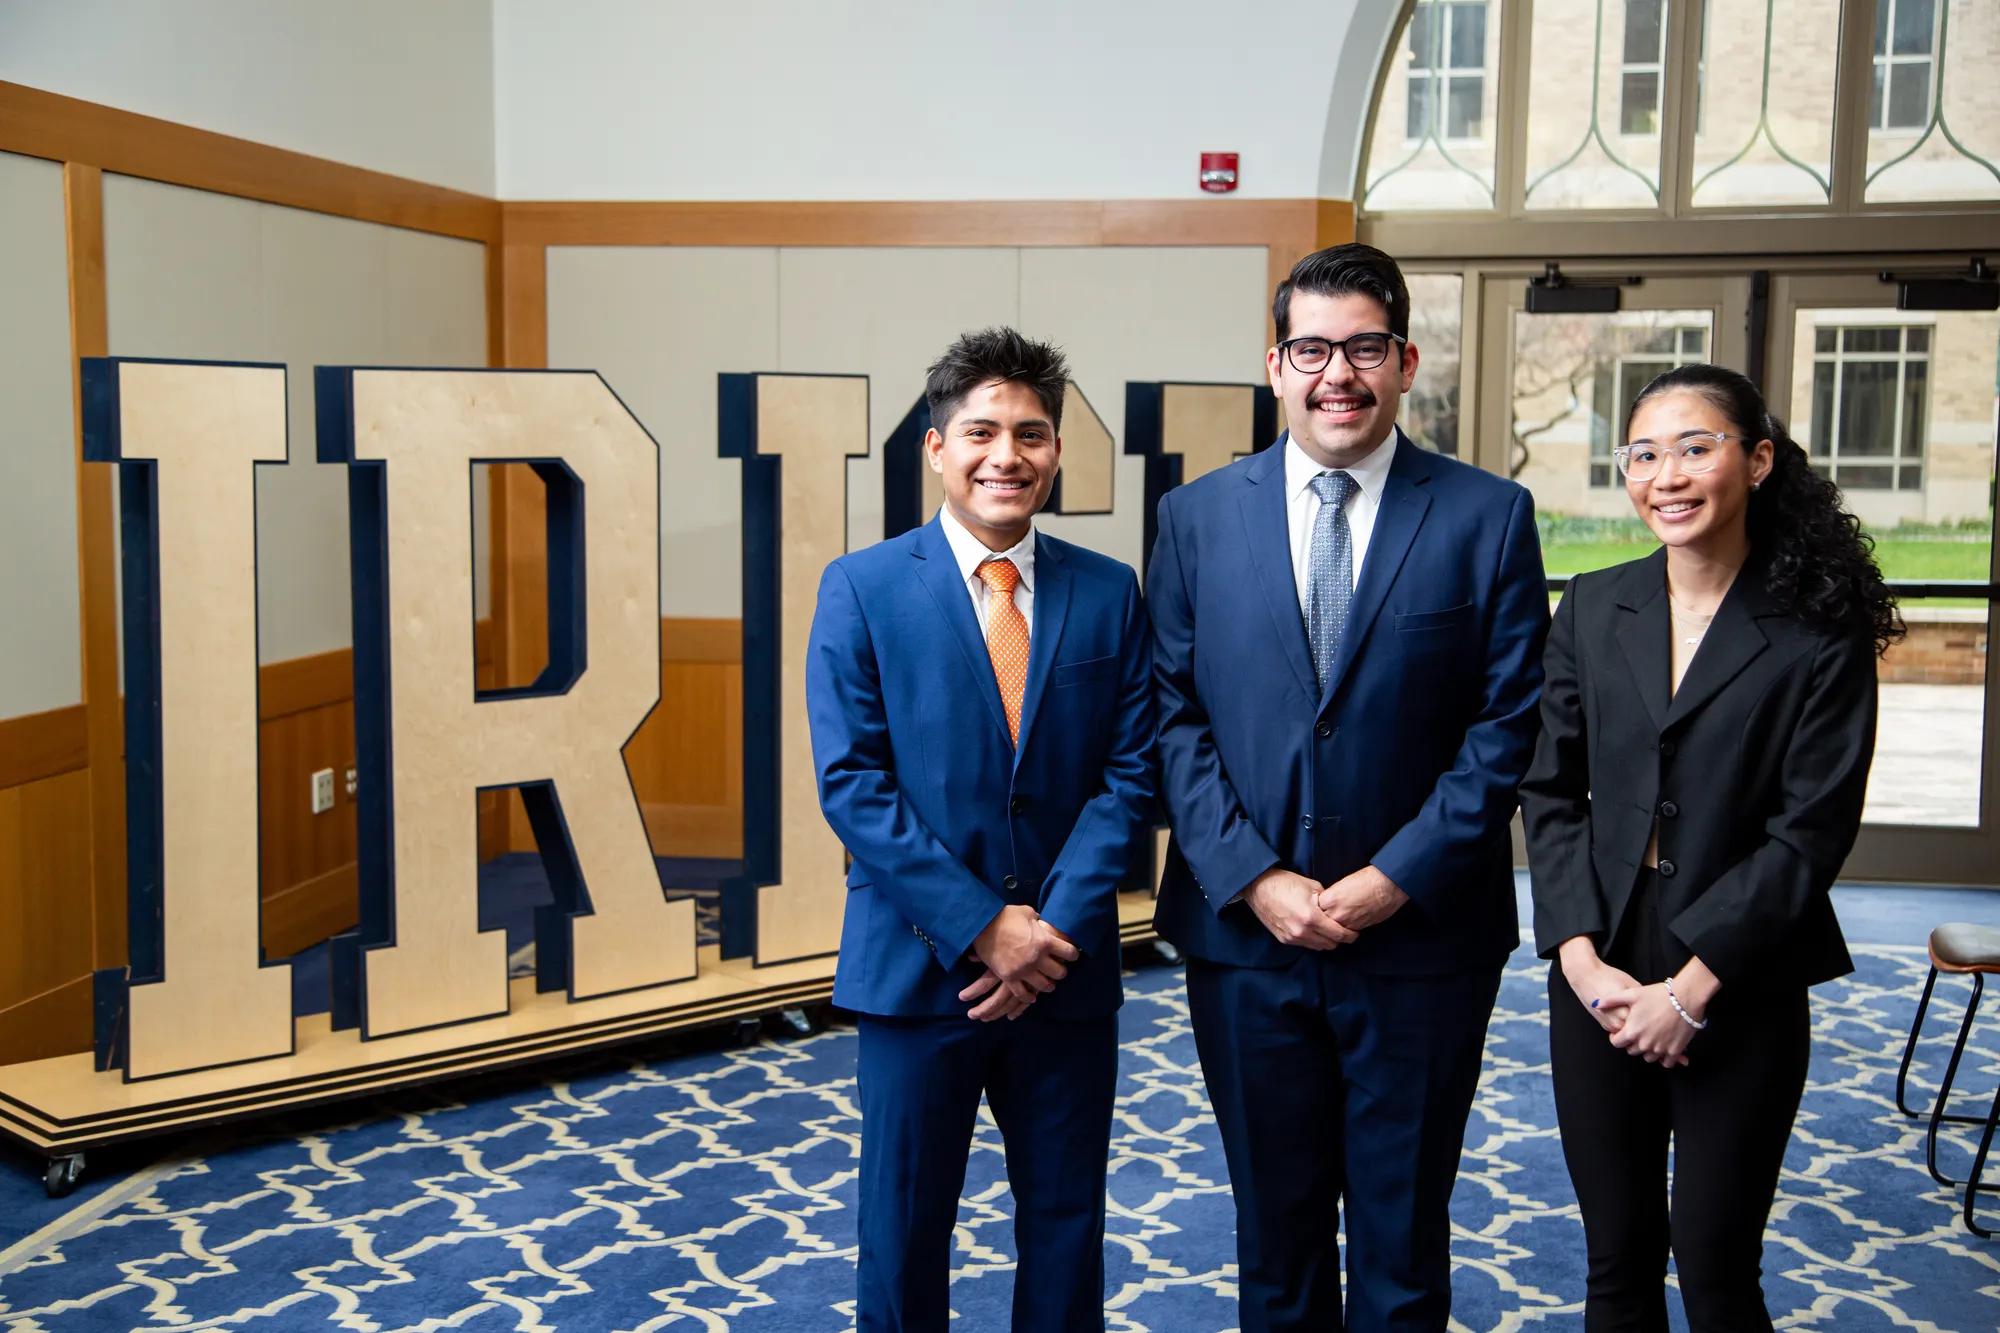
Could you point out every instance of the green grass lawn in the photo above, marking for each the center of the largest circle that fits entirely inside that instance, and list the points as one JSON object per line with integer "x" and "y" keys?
{"x": 1904, "y": 559}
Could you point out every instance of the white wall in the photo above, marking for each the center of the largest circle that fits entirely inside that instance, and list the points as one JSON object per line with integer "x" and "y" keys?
{"x": 764, "y": 99}
{"x": 927, "y": 99}
{"x": 391, "y": 85}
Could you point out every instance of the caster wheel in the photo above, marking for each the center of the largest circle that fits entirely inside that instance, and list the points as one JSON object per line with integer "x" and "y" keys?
{"x": 62, "y": 1174}
{"x": 797, "y": 1022}
{"x": 748, "y": 1030}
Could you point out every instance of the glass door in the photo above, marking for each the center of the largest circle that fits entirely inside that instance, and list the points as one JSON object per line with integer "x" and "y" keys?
{"x": 1553, "y": 391}
{"x": 1553, "y": 406}
{"x": 1898, "y": 407}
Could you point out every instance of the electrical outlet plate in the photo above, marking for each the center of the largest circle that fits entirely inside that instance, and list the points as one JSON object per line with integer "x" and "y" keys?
{"x": 322, "y": 791}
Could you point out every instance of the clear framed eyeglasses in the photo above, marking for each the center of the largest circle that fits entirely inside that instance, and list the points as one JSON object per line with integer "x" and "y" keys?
{"x": 1694, "y": 452}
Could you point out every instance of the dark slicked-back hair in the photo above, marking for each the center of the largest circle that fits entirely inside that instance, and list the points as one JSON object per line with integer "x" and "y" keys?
{"x": 1820, "y": 565}
{"x": 996, "y": 354}
{"x": 1345, "y": 270}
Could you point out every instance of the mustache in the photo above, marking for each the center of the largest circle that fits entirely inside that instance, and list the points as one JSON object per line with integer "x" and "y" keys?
{"x": 1366, "y": 398}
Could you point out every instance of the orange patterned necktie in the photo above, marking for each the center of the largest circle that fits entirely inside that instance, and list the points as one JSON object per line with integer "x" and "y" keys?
{"x": 1006, "y": 639}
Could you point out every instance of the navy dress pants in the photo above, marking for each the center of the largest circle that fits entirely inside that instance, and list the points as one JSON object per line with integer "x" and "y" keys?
{"x": 1050, "y": 1083}
{"x": 1341, "y": 1096}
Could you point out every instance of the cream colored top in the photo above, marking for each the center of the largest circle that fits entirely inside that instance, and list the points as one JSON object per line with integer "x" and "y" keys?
{"x": 1688, "y": 629}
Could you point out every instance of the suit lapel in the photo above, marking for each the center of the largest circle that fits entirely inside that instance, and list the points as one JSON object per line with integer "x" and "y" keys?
{"x": 1052, "y": 586}
{"x": 1646, "y": 634}
{"x": 1404, "y": 504}
{"x": 1267, "y": 531}
{"x": 1734, "y": 640}
{"x": 939, "y": 574}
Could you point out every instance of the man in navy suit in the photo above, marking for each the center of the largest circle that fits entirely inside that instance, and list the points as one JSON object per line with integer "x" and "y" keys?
{"x": 1348, "y": 641}
{"x": 982, "y": 723}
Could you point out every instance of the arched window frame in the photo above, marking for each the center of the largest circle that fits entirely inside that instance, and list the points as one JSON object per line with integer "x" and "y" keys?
{"x": 1845, "y": 224}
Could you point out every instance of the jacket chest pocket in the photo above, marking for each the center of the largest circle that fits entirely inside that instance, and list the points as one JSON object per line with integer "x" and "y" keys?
{"x": 1067, "y": 674}
{"x": 1441, "y": 631}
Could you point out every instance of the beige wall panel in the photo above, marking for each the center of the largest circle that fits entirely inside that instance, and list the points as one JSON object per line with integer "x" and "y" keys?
{"x": 196, "y": 275}
{"x": 1142, "y": 313}
{"x": 887, "y": 314}
{"x": 182, "y": 278}
{"x": 182, "y": 272}
{"x": 436, "y": 297}
{"x": 324, "y": 302}
{"x": 660, "y": 323}
{"x": 42, "y": 667}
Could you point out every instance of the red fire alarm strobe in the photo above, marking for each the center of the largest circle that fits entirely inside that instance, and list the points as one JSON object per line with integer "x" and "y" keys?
{"x": 1218, "y": 172}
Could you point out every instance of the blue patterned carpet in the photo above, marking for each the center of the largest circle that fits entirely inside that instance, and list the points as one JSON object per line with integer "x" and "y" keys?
{"x": 714, "y": 1189}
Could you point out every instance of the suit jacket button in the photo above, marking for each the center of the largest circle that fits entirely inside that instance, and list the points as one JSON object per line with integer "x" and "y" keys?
{"x": 1009, "y": 883}
{"x": 1666, "y": 749}
{"x": 1018, "y": 804}
{"x": 1666, "y": 869}
{"x": 1323, "y": 730}
{"x": 1669, "y": 809}
{"x": 1307, "y": 821}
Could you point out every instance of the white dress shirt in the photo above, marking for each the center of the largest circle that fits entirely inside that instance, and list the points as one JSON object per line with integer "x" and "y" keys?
{"x": 971, "y": 553}
{"x": 1371, "y": 474}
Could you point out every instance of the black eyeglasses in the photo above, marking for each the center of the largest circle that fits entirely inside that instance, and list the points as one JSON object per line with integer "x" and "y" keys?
{"x": 1364, "y": 351}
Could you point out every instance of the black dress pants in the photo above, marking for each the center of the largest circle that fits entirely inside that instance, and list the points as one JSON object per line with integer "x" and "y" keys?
{"x": 1728, "y": 1115}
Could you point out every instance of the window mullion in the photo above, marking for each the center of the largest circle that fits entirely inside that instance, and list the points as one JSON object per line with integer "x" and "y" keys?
{"x": 1896, "y": 441}
{"x": 1677, "y": 106}
{"x": 1510, "y": 139}
{"x": 1850, "y": 103}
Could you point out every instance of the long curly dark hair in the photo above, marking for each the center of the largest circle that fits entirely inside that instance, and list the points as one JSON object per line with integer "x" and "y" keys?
{"x": 1820, "y": 565}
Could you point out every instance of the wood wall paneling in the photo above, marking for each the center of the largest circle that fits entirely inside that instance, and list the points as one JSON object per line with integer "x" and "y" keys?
{"x": 43, "y": 856}
{"x": 687, "y": 761}
{"x": 97, "y": 566}
{"x": 954, "y": 223}
{"x": 44, "y": 745}
{"x": 305, "y": 860}
{"x": 65, "y": 129}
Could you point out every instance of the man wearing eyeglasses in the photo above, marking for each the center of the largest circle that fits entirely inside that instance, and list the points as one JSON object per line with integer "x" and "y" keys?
{"x": 1347, "y": 660}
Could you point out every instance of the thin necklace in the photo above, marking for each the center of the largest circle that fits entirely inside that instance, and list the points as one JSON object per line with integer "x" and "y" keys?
{"x": 1686, "y": 619}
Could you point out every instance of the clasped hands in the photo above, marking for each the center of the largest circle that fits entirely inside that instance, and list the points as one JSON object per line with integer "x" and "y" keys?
{"x": 1025, "y": 957}
{"x": 1301, "y": 911}
{"x": 1640, "y": 1020}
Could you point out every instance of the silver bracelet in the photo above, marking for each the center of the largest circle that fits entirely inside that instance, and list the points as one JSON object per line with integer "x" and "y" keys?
{"x": 1698, "y": 1024}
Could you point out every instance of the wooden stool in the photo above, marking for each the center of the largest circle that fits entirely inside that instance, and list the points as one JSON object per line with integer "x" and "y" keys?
{"x": 1973, "y": 951}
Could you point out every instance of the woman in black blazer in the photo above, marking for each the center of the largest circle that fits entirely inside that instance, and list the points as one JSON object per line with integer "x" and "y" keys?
{"x": 1708, "y": 718}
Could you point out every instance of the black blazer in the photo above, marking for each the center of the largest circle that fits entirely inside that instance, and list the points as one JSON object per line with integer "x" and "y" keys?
{"x": 1755, "y": 768}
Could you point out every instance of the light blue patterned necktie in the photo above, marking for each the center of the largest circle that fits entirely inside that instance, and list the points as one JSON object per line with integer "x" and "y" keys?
{"x": 1329, "y": 570}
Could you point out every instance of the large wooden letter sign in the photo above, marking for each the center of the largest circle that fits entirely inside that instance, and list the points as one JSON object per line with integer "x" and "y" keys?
{"x": 794, "y": 434}
{"x": 189, "y": 439}
{"x": 428, "y": 742}
{"x": 1186, "y": 431}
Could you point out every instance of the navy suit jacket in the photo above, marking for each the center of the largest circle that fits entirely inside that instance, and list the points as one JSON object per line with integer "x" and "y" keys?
{"x": 945, "y": 820}
{"x": 1410, "y": 759}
